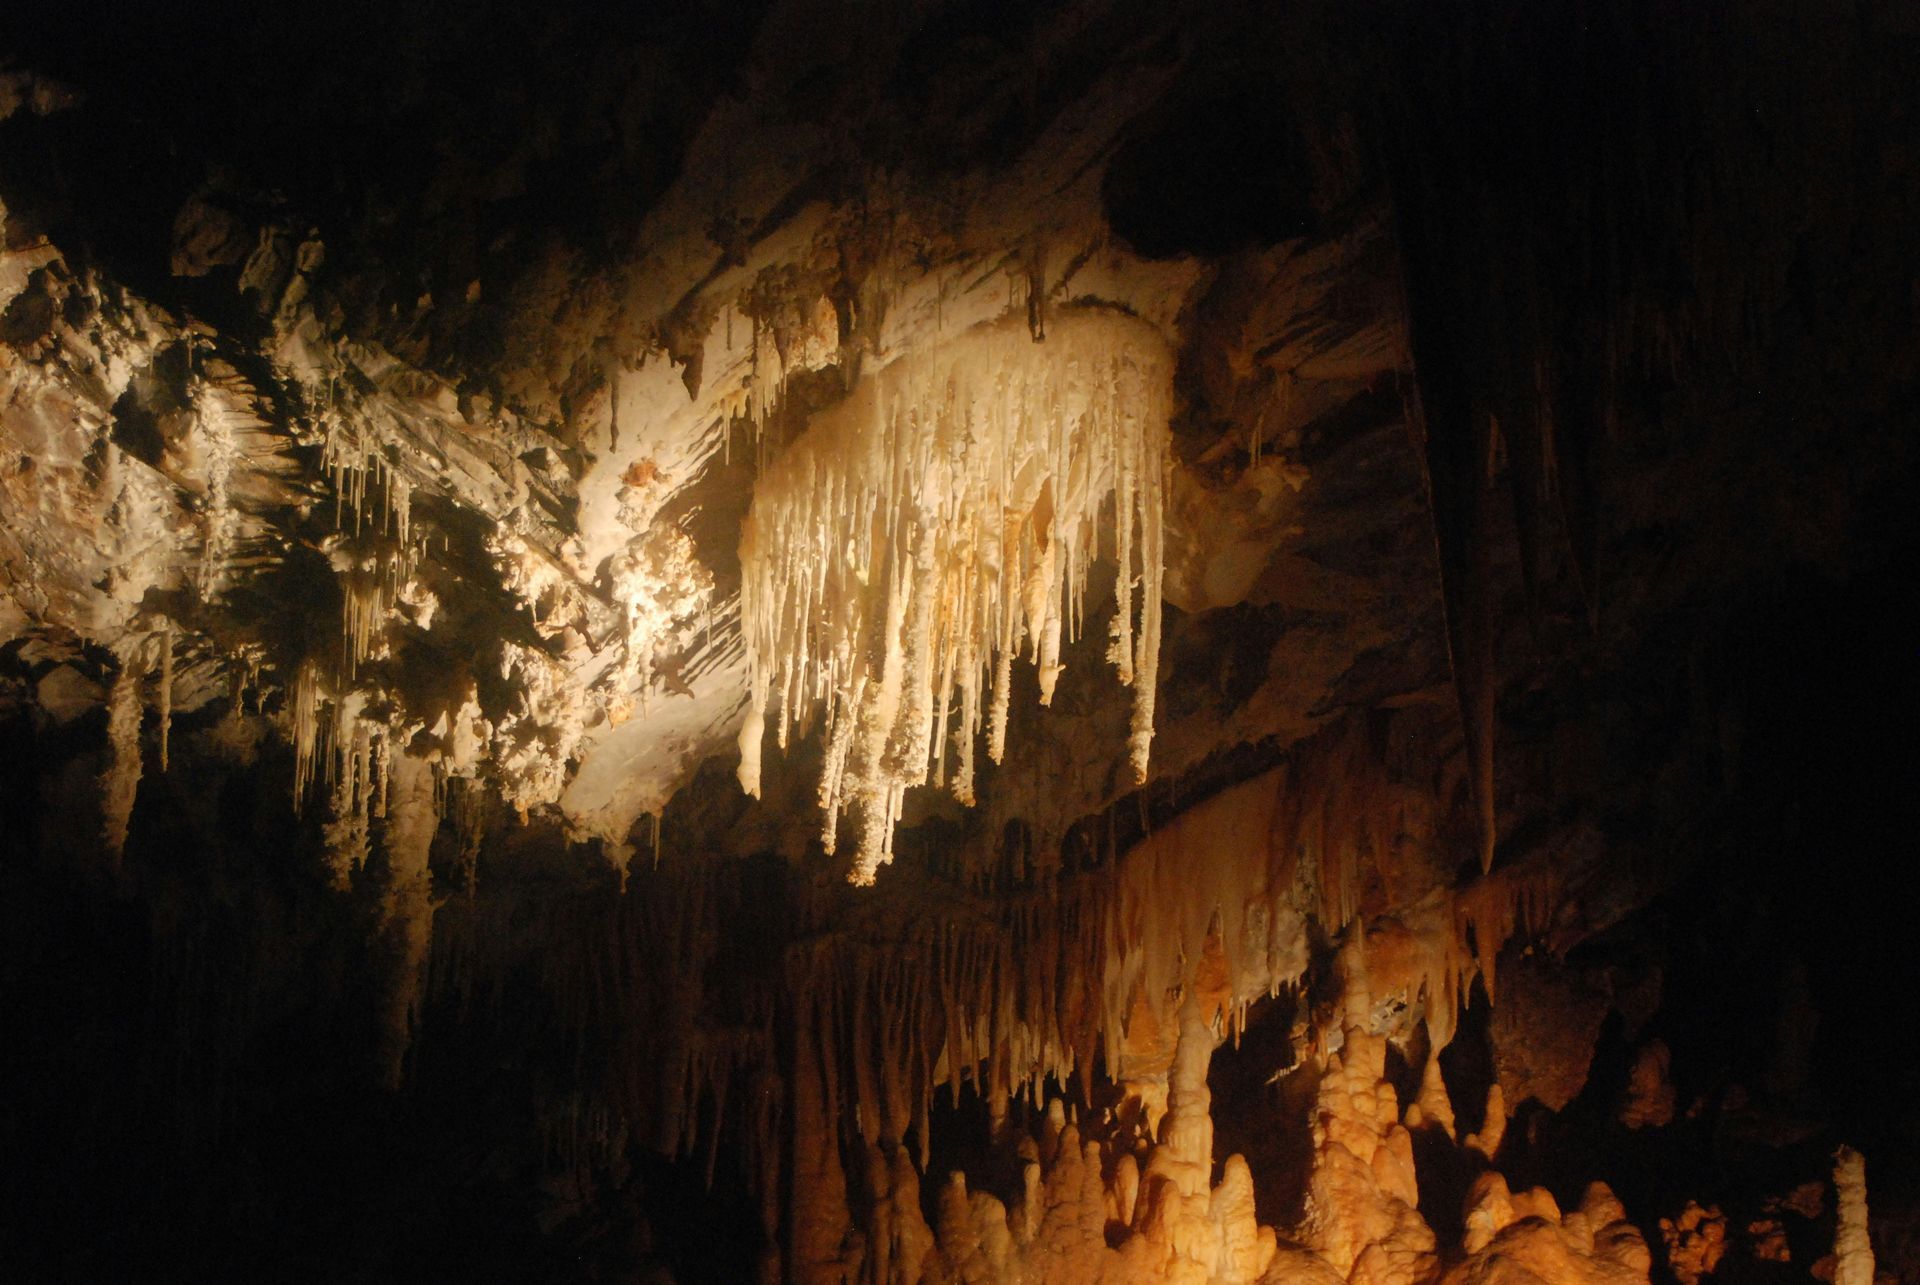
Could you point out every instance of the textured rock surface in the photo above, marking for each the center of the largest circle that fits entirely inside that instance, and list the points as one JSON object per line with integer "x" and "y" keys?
{"x": 1696, "y": 1241}
{"x": 443, "y": 457}
{"x": 1523, "y": 1239}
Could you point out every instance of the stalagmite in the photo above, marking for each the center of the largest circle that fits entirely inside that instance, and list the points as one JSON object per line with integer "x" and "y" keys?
{"x": 1852, "y": 1248}
{"x": 1362, "y": 1198}
{"x": 1489, "y": 1211}
{"x": 1433, "y": 1106}
{"x": 1522, "y": 1238}
{"x": 1185, "y": 1154}
{"x": 818, "y": 1216}
{"x": 1209, "y": 1234}
{"x": 1493, "y": 1128}
{"x": 944, "y": 517}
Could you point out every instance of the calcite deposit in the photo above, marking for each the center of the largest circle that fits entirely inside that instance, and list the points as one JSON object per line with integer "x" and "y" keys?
{"x": 949, "y": 641}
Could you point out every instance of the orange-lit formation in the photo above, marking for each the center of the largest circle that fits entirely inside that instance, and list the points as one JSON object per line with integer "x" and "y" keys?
{"x": 903, "y": 644}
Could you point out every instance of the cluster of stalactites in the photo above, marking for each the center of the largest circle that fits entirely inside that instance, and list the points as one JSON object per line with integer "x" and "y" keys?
{"x": 942, "y": 519}
{"x": 1297, "y": 843}
{"x": 227, "y": 414}
{"x": 790, "y": 337}
{"x": 1084, "y": 973}
{"x": 1105, "y": 1204}
{"x": 331, "y": 735}
{"x": 367, "y": 487}
{"x": 338, "y": 744}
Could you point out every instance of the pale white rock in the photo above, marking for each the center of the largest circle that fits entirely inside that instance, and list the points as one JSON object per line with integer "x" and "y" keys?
{"x": 1852, "y": 1248}
{"x": 941, "y": 520}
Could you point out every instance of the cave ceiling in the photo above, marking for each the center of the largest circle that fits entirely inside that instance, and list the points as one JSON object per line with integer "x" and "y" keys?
{"x": 458, "y": 400}
{"x": 529, "y": 395}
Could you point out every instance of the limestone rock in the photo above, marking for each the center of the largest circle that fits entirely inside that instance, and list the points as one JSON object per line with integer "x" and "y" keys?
{"x": 1362, "y": 1198}
{"x": 1852, "y": 1249}
{"x": 1522, "y": 1240}
{"x": 1696, "y": 1241}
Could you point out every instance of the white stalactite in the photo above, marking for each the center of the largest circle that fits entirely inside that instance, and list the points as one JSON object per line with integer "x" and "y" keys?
{"x": 372, "y": 577}
{"x": 304, "y": 712}
{"x": 920, "y": 533}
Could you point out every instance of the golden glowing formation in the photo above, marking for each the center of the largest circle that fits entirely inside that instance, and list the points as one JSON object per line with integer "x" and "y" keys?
{"x": 941, "y": 519}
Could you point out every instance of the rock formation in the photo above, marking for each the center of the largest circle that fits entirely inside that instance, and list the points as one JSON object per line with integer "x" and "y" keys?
{"x": 1696, "y": 1241}
{"x": 956, "y": 642}
{"x": 1525, "y": 1238}
{"x": 1852, "y": 1250}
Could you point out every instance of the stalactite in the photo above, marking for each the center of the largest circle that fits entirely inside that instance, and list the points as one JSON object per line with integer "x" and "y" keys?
{"x": 120, "y": 782}
{"x": 1460, "y": 451}
{"x": 1150, "y": 959}
{"x": 165, "y": 693}
{"x": 303, "y": 711}
{"x": 405, "y": 926}
{"x": 910, "y": 542}
{"x": 345, "y": 834}
{"x": 373, "y": 561}
{"x": 470, "y": 816}
{"x": 1097, "y": 957}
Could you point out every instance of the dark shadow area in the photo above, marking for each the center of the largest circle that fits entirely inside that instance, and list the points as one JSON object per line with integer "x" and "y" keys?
{"x": 1261, "y": 1105}
{"x": 1234, "y": 142}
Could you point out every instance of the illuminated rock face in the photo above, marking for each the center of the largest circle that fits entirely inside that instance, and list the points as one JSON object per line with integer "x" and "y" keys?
{"x": 1105, "y": 1199}
{"x": 398, "y": 540}
{"x": 1519, "y": 1239}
